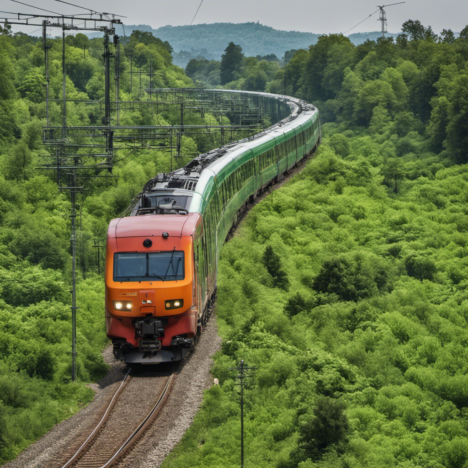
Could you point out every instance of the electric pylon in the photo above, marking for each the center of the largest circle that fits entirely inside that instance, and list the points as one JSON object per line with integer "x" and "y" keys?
{"x": 383, "y": 16}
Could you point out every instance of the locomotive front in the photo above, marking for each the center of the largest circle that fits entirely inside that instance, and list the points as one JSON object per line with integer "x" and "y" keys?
{"x": 151, "y": 310}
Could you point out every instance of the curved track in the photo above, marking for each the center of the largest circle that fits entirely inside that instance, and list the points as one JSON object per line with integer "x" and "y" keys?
{"x": 131, "y": 411}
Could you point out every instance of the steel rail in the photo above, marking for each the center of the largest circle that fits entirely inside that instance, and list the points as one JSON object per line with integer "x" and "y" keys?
{"x": 101, "y": 422}
{"x": 136, "y": 434}
{"x": 143, "y": 425}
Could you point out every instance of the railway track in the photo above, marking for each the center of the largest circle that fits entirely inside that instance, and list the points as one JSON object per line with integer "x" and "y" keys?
{"x": 133, "y": 408}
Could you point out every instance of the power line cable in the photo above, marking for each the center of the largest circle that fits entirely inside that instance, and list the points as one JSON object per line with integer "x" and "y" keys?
{"x": 199, "y": 6}
{"x": 89, "y": 9}
{"x": 77, "y": 6}
{"x": 37, "y": 8}
{"x": 365, "y": 19}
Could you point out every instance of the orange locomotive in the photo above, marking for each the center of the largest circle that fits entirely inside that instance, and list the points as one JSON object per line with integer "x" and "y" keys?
{"x": 161, "y": 260}
{"x": 151, "y": 300}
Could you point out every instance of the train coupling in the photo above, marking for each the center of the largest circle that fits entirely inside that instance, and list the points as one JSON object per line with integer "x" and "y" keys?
{"x": 149, "y": 327}
{"x": 182, "y": 342}
{"x": 149, "y": 330}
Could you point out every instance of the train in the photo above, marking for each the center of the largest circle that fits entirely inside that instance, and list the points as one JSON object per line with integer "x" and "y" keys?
{"x": 162, "y": 258}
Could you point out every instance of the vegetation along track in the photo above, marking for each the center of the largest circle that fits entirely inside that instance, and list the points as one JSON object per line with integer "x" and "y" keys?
{"x": 133, "y": 408}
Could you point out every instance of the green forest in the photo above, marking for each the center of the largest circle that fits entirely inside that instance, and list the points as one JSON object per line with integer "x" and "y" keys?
{"x": 35, "y": 261}
{"x": 210, "y": 40}
{"x": 346, "y": 287}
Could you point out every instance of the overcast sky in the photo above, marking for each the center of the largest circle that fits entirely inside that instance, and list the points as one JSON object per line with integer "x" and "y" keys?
{"x": 324, "y": 16}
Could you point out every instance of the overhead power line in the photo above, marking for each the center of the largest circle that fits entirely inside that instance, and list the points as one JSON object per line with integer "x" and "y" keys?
{"x": 198, "y": 9}
{"x": 37, "y": 8}
{"x": 88, "y": 9}
{"x": 365, "y": 19}
{"x": 77, "y": 6}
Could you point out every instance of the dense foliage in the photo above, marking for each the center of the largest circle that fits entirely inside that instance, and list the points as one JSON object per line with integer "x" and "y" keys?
{"x": 35, "y": 264}
{"x": 361, "y": 361}
{"x": 208, "y": 41}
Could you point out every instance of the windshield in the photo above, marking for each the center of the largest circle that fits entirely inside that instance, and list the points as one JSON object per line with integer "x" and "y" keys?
{"x": 155, "y": 266}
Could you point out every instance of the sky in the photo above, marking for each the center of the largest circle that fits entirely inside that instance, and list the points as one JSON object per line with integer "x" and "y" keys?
{"x": 321, "y": 17}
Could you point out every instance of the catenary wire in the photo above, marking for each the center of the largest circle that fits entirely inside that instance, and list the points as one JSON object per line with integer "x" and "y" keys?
{"x": 37, "y": 8}
{"x": 198, "y": 9}
{"x": 77, "y": 6}
{"x": 365, "y": 19}
{"x": 89, "y": 9}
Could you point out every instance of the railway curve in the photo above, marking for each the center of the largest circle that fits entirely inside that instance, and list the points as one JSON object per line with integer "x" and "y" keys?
{"x": 273, "y": 156}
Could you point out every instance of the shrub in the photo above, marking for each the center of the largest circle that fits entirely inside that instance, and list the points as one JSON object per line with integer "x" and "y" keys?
{"x": 420, "y": 267}
{"x": 295, "y": 305}
{"x": 272, "y": 263}
{"x": 352, "y": 279}
{"x": 326, "y": 426}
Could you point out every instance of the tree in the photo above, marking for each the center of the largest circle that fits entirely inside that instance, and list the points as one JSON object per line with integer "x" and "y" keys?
{"x": 7, "y": 72}
{"x": 295, "y": 305}
{"x": 371, "y": 95}
{"x": 18, "y": 161}
{"x": 327, "y": 426}
{"x": 316, "y": 64}
{"x": 352, "y": 279}
{"x": 231, "y": 62}
{"x": 340, "y": 145}
{"x": 39, "y": 246}
{"x": 392, "y": 173}
{"x": 5, "y": 30}
{"x": 288, "y": 55}
{"x": 272, "y": 263}
{"x": 256, "y": 80}
{"x": 437, "y": 129}
{"x": 464, "y": 33}
{"x": 457, "y": 129}
{"x": 3, "y": 425}
{"x": 82, "y": 41}
{"x": 414, "y": 30}
{"x": 417, "y": 32}
{"x": 447, "y": 36}
{"x": 420, "y": 267}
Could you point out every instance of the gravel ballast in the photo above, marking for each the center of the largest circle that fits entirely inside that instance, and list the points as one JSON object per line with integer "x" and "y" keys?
{"x": 178, "y": 412}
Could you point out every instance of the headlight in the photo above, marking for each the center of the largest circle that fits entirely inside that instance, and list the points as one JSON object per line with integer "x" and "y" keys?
{"x": 175, "y": 304}
{"x": 125, "y": 305}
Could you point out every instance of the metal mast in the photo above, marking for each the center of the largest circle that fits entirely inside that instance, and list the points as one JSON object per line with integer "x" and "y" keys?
{"x": 243, "y": 374}
{"x": 67, "y": 159}
{"x": 383, "y": 16}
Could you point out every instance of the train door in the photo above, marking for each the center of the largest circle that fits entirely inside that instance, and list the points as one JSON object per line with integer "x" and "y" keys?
{"x": 296, "y": 145}
{"x": 277, "y": 157}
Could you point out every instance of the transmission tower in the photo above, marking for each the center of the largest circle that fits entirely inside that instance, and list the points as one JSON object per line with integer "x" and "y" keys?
{"x": 77, "y": 154}
{"x": 383, "y": 16}
{"x": 67, "y": 162}
{"x": 244, "y": 373}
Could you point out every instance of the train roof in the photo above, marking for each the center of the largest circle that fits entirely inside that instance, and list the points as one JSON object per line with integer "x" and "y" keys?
{"x": 153, "y": 226}
{"x": 195, "y": 177}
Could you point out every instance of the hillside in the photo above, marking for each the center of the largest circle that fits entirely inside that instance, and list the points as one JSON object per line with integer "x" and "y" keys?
{"x": 358, "y": 326}
{"x": 210, "y": 40}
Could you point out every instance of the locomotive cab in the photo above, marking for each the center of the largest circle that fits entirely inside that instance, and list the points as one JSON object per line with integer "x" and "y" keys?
{"x": 151, "y": 304}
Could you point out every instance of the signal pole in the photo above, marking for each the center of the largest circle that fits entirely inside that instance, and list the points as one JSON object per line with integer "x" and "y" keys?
{"x": 243, "y": 374}
{"x": 383, "y": 17}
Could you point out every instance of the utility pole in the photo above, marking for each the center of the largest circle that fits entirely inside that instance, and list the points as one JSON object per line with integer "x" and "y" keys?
{"x": 65, "y": 163}
{"x": 99, "y": 247}
{"x": 243, "y": 374}
{"x": 383, "y": 17}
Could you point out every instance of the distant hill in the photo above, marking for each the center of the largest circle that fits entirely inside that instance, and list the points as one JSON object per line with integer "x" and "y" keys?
{"x": 210, "y": 40}
{"x": 359, "y": 38}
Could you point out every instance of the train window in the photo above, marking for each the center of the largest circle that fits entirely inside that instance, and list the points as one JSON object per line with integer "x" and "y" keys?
{"x": 169, "y": 199}
{"x": 154, "y": 266}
